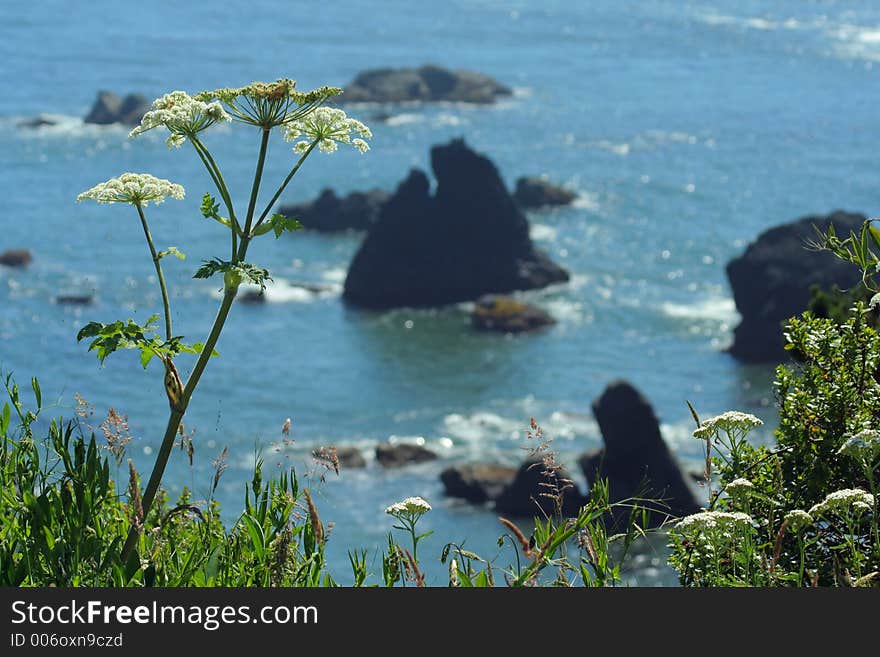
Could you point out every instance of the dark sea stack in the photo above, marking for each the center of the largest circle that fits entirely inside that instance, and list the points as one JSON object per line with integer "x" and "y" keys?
{"x": 533, "y": 193}
{"x": 477, "y": 482}
{"x": 16, "y": 258}
{"x": 635, "y": 460}
{"x": 426, "y": 84}
{"x": 329, "y": 213}
{"x": 396, "y": 456}
{"x": 467, "y": 240}
{"x": 507, "y": 315}
{"x": 526, "y": 495}
{"x": 109, "y": 108}
{"x": 771, "y": 281}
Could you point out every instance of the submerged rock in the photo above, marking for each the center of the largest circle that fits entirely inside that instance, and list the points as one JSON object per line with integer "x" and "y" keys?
{"x": 16, "y": 258}
{"x": 771, "y": 281}
{"x": 74, "y": 299}
{"x": 426, "y": 84}
{"x": 110, "y": 108}
{"x": 507, "y": 315}
{"x": 466, "y": 240}
{"x": 635, "y": 460}
{"x": 330, "y": 213}
{"x": 537, "y": 193}
{"x": 527, "y": 495}
{"x": 395, "y": 456}
{"x": 41, "y": 121}
{"x": 340, "y": 457}
{"x": 477, "y": 482}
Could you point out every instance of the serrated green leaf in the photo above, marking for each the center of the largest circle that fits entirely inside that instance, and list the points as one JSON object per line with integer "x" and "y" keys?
{"x": 278, "y": 223}
{"x": 211, "y": 210}
{"x": 248, "y": 272}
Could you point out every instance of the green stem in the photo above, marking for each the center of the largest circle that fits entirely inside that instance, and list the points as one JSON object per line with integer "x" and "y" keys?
{"x": 255, "y": 190}
{"x": 176, "y": 417}
{"x": 219, "y": 183}
{"x": 285, "y": 183}
{"x": 165, "y": 303}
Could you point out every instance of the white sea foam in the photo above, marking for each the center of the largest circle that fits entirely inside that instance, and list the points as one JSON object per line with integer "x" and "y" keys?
{"x": 406, "y": 118}
{"x": 543, "y": 232}
{"x": 587, "y": 201}
{"x": 60, "y": 125}
{"x": 283, "y": 291}
{"x": 335, "y": 275}
{"x": 711, "y": 308}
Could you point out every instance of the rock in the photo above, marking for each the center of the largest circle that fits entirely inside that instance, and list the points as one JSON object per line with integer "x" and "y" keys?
{"x": 41, "y": 121}
{"x": 635, "y": 460}
{"x": 507, "y": 315}
{"x": 110, "y": 108}
{"x": 538, "y": 193}
{"x": 466, "y": 240}
{"x": 74, "y": 299}
{"x": 525, "y": 496}
{"x": 345, "y": 458}
{"x": 252, "y": 296}
{"x": 16, "y": 258}
{"x": 477, "y": 482}
{"x": 426, "y": 84}
{"x": 771, "y": 281}
{"x": 395, "y": 456}
{"x": 329, "y": 213}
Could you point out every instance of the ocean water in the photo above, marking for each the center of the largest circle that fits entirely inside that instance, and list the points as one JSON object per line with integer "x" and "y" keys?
{"x": 686, "y": 128}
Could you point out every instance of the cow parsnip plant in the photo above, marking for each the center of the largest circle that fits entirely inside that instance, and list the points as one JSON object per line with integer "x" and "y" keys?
{"x": 265, "y": 108}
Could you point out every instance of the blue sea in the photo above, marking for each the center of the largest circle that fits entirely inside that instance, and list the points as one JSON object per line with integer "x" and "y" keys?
{"x": 686, "y": 129}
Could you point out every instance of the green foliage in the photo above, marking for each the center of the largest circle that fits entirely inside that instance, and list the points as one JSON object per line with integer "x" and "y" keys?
{"x": 63, "y": 522}
{"x": 280, "y": 224}
{"x": 131, "y": 335}
{"x": 211, "y": 210}
{"x": 830, "y": 395}
{"x": 237, "y": 271}
{"x": 172, "y": 250}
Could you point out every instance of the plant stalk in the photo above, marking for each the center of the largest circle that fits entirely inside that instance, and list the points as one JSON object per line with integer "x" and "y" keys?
{"x": 156, "y": 262}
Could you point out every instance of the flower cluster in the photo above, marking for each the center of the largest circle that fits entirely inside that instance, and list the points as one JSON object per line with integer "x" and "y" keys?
{"x": 864, "y": 445}
{"x": 798, "y": 519}
{"x": 842, "y": 501}
{"x": 183, "y": 115}
{"x": 739, "y": 486}
{"x": 708, "y": 520}
{"x": 411, "y": 506}
{"x": 730, "y": 422}
{"x": 269, "y": 104}
{"x": 328, "y": 127}
{"x": 135, "y": 188}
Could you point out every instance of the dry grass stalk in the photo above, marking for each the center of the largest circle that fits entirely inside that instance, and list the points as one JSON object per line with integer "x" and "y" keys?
{"x": 314, "y": 518}
{"x": 523, "y": 541}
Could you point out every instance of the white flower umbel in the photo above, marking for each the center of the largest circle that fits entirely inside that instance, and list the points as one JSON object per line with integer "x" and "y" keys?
{"x": 407, "y": 513}
{"x": 842, "y": 501}
{"x": 328, "y": 127}
{"x": 714, "y": 520}
{"x": 269, "y": 104}
{"x": 739, "y": 486}
{"x": 410, "y": 506}
{"x": 730, "y": 422}
{"x": 182, "y": 115}
{"x": 863, "y": 446}
{"x": 798, "y": 519}
{"x": 134, "y": 188}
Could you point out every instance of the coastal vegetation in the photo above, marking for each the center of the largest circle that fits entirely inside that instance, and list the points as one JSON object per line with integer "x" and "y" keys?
{"x": 800, "y": 512}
